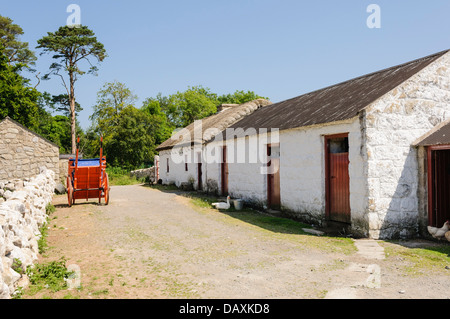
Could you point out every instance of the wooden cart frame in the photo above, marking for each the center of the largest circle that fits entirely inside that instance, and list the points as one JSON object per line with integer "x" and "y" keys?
{"x": 87, "y": 178}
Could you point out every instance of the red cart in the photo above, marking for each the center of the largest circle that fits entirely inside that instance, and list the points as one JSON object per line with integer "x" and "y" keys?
{"x": 87, "y": 178}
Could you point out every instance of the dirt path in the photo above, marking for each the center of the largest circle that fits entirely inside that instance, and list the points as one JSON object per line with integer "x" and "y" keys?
{"x": 152, "y": 244}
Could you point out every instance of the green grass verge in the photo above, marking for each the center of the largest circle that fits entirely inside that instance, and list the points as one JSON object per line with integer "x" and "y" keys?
{"x": 119, "y": 176}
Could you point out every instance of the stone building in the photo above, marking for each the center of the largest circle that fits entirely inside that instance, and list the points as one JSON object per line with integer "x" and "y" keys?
{"x": 180, "y": 157}
{"x": 355, "y": 154}
{"x": 23, "y": 153}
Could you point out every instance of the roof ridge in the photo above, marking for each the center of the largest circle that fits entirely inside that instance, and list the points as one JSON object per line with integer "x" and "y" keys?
{"x": 371, "y": 74}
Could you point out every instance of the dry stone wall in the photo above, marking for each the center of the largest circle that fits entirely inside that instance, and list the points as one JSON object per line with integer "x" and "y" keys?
{"x": 23, "y": 152}
{"x": 21, "y": 217}
{"x": 145, "y": 173}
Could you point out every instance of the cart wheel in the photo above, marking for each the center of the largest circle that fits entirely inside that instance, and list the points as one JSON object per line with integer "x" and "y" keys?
{"x": 70, "y": 191}
{"x": 107, "y": 189}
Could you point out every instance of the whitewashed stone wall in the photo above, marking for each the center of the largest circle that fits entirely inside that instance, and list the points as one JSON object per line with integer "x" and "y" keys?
{"x": 21, "y": 217}
{"x": 245, "y": 180}
{"x": 22, "y": 152}
{"x": 177, "y": 172}
{"x": 392, "y": 124}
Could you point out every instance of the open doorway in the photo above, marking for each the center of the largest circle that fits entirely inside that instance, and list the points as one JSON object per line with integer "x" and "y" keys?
{"x": 273, "y": 176}
{"x": 438, "y": 185}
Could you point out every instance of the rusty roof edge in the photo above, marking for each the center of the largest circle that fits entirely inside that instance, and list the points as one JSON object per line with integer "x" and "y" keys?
{"x": 437, "y": 128}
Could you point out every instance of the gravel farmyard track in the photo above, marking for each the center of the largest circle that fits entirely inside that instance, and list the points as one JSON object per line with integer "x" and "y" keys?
{"x": 154, "y": 244}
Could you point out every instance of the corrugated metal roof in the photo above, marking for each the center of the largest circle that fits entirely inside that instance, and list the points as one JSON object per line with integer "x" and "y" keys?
{"x": 440, "y": 135}
{"x": 335, "y": 103}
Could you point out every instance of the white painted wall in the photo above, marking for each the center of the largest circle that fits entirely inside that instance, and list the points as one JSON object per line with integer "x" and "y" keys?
{"x": 302, "y": 170}
{"x": 177, "y": 171}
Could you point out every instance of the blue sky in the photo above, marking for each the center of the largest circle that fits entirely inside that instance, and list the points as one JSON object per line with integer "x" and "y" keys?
{"x": 279, "y": 49}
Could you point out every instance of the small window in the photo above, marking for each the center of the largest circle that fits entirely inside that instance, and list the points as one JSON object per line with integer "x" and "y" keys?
{"x": 339, "y": 145}
{"x": 186, "y": 163}
{"x": 167, "y": 165}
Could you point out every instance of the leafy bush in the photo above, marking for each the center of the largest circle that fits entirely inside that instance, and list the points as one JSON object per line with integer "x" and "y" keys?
{"x": 52, "y": 275}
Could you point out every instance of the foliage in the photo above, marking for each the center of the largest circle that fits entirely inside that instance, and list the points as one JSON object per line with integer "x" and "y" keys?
{"x": 132, "y": 142}
{"x": 17, "y": 266}
{"x": 17, "y": 100}
{"x": 42, "y": 241}
{"x": 163, "y": 128}
{"x": 52, "y": 275}
{"x": 193, "y": 104}
{"x": 61, "y": 103}
{"x": 239, "y": 97}
{"x": 70, "y": 46}
{"x": 15, "y": 50}
{"x": 183, "y": 108}
{"x": 111, "y": 100}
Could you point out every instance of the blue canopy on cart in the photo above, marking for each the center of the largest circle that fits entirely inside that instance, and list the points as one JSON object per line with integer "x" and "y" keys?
{"x": 86, "y": 162}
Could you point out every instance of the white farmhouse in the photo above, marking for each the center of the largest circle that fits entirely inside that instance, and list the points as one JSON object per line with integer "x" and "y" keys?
{"x": 370, "y": 153}
{"x": 181, "y": 157}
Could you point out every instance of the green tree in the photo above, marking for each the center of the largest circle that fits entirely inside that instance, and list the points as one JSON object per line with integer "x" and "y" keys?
{"x": 61, "y": 103}
{"x": 17, "y": 99}
{"x": 154, "y": 106}
{"x": 70, "y": 46}
{"x": 15, "y": 50}
{"x": 183, "y": 108}
{"x": 132, "y": 143}
{"x": 193, "y": 104}
{"x": 239, "y": 97}
{"x": 111, "y": 100}
{"x": 55, "y": 128}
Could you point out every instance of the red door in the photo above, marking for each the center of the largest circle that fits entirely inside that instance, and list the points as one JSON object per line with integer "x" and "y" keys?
{"x": 438, "y": 185}
{"x": 224, "y": 172}
{"x": 273, "y": 177}
{"x": 337, "y": 178}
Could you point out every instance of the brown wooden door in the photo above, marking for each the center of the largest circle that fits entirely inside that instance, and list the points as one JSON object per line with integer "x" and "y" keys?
{"x": 337, "y": 179}
{"x": 224, "y": 172}
{"x": 439, "y": 185}
{"x": 273, "y": 178}
{"x": 200, "y": 182}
